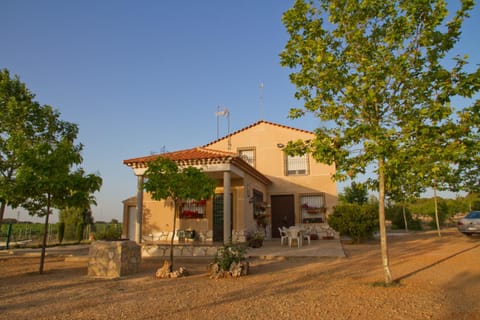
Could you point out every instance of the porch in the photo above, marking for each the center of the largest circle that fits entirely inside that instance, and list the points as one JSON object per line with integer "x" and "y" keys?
{"x": 271, "y": 249}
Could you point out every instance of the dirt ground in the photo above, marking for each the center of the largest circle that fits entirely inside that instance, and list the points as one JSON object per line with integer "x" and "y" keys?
{"x": 439, "y": 278}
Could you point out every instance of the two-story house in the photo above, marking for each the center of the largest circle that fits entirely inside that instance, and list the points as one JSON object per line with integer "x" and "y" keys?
{"x": 259, "y": 187}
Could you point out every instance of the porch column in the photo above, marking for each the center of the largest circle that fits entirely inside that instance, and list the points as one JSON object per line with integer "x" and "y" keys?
{"x": 138, "y": 224}
{"x": 227, "y": 205}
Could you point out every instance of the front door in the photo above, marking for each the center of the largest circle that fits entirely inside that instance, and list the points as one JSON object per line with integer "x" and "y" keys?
{"x": 283, "y": 212}
{"x": 218, "y": 217}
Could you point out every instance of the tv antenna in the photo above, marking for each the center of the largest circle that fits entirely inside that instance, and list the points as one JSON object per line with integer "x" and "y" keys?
{"x": 261, "y": 100}
{"x": 224, "y": 113}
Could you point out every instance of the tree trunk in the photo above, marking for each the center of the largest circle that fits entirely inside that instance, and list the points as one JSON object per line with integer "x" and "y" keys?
{"x": 3, "y": 206}
{"x": 436, "y": 210}
{"x": 383, "y": 230}
{"x": 45, "y": 236}
{"x": 173, "y": 235}
{"x": 405, "y": 218}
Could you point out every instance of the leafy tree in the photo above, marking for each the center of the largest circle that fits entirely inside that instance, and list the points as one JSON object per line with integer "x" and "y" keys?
{"x": 50, "y": 176}
{"x": 422, "y": 207}
{"x": 23, "y": 123}
{"x": 165, "y": 180}
{"x": 111, "y": 231}
{"x": 72, "y": 217}
{"x": 356, "y": 193}
{"x": 440, "y": 210}
{"x": 80, "y": 228}
{"x": 401, "y": 217}
{"x": 473, "y": 201}
{"x": 401, "y": 191}
{"x": 372, "y": 72}
{"x": 458, "y": 205}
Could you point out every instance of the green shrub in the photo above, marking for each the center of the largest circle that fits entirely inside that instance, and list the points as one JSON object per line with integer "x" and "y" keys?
{"x": 443, "y": 214}
{"x": 357, "y": 221}
{"x": 228, "y": 254}
{"x": 395, "y": 215}
{"x": 70, "y": 232}
{"x": 112, "y": 232}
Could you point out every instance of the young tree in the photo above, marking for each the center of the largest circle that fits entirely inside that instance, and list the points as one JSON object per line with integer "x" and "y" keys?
{"x": 372, "y": 72}
{"x": 74, "y": 219}
{"x": 356, "y": 193}
{"x": 165, "y": 180}
{"x": 50, "y": 175}
{"x": 22, "y": 125}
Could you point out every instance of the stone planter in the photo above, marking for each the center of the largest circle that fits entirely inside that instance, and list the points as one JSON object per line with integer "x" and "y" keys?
{"x": 113, "y": 259}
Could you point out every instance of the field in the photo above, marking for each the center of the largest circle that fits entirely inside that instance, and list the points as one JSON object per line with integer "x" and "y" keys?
{"x": 438, "y": 278}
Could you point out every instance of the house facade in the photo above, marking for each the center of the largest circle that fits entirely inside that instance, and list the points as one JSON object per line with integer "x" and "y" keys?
{"x": 259, "y": 189}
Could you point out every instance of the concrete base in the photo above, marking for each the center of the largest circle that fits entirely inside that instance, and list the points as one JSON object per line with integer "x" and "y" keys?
{"x": 113, "y": 259}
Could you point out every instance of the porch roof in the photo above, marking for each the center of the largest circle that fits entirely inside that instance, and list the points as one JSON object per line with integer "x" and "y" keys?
{"x": 200, "y": 156}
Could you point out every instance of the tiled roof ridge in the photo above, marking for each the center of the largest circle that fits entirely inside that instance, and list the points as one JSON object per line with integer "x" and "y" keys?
{"x": 199, "y": 155}
{"x": 253, "y": 125}
{"x": 191, "y": 151}
{"x": 215, "y": 151}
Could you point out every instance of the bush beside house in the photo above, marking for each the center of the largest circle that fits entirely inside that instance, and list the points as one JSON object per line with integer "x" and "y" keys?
{"x": 355, "y": 220}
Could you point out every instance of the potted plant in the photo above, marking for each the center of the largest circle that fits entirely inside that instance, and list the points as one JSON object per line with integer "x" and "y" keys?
{"x": 256, "y": 240}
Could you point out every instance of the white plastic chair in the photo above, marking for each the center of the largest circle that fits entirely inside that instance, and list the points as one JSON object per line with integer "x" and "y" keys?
{"x": 294, "y": 234}
{"x": 283, "y": 236}
{"x": 306, "y": 235}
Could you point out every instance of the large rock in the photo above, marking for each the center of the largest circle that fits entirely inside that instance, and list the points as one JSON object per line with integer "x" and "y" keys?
{"x": 236, "y": 270}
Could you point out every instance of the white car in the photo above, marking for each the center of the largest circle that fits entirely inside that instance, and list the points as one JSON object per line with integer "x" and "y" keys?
{"x": 469, "y": 224}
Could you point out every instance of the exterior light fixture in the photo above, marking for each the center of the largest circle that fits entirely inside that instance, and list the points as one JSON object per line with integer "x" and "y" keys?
{"x": 280, "y": 145}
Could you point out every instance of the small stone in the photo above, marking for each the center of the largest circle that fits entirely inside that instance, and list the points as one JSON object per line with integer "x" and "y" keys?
{"x": 183, "y": 271}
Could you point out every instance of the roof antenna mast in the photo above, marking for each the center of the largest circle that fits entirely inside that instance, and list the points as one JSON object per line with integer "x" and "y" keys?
{"x": 261, "y": 100}
{"x": 226, "y": 114}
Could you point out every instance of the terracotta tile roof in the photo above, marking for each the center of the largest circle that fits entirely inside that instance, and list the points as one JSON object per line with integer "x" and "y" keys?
{"x": 192, "y": 156}
{"x": 199, "y": 156}
{"x": 257, "y": 124}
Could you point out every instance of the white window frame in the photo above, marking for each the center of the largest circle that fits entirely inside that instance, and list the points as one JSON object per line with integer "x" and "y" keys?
{"x": 242, "y": 153}
{"x": 296, "y": 165}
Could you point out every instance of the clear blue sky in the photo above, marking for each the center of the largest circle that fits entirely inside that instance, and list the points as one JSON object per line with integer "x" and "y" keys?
{"x": 139, "y": 76}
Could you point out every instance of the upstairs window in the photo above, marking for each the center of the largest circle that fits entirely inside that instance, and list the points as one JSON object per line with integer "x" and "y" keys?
{"x": 296, "y": 165}
{"x": 248, "y": 155}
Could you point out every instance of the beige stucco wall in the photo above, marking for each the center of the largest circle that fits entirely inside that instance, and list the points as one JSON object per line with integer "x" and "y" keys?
{"x": 158, "y": 215}
{"x": 270, "y": 161}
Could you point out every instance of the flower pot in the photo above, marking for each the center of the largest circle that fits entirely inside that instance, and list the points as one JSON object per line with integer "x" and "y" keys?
{"x": 255, "y": 243}
{"x": 314, "y": 236}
